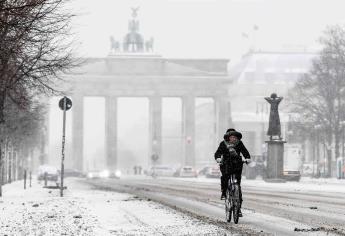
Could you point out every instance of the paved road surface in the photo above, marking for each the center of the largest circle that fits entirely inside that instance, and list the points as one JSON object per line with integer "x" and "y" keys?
{"x": 266, "y": 210}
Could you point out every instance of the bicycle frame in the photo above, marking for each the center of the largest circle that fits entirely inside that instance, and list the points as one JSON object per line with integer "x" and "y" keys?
{"x": 232, "y": 200}
{"x": 232, "y": 181}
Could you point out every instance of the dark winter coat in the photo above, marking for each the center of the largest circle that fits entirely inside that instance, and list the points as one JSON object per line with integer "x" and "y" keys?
{"x": 232, "y": 162}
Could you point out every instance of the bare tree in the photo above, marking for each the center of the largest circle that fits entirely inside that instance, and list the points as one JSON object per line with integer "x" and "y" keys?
{"x": 318, "y": 97}
{"x": 35, "y": 49}
{"x": 22, "y": 132}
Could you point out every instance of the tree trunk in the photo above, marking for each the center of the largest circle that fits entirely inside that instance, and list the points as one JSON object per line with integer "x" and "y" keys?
{"x": 2, "y": 121}
{"x": 10, "y": 160}
{"x": 2, "y": 107}
{"x": 1, "y": 181}
{"x": 329, "y": 142}
{"x": 337, "y": 144}
{"x": 1, "y": 159}
{"x": 5, "y": 162}
{"x": 15, "y": 166}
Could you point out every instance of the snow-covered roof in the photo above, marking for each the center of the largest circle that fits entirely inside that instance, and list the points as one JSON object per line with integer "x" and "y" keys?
{"x": 268, "y": 67}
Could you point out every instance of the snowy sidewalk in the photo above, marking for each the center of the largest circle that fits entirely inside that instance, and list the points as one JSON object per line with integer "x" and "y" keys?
{"x": 85, "y": 211}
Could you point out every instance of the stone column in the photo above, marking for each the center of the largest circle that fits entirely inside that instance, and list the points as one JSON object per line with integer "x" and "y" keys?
{"x": 188, "y": 118}
{"x": 111, "y": 132}
{"x": 78, "y": 131}
{"x": 155, "y": 132}
{"x": 223, "y": 116}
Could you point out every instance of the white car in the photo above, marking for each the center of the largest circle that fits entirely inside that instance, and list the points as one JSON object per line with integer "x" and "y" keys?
{"x": 103, "y": 174}
{"x": 186, "y": 171}
{"x": 213, "y": 172}
{"x": 161, "y": 171}
{"x": 50, "y": 172}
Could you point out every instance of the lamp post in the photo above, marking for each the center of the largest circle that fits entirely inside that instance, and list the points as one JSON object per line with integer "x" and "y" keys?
{"x": 317, "y": 128}
{"x": 342, "y": 123}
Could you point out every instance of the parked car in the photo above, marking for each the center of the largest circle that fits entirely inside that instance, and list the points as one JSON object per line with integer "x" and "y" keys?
{"x": 115, "y": 174}
{"x": 50, "y": 172}
{"x": 307, "y": 169}
{"x": 292, "y": 175}
{"x": 103, "y": 174}
{"x": 93, "y": 174}
{"x": 204, "y": 170}
{"x": 213, "y": 172}
{"x": 161, "y": 171}
{"x": 72, "y": 173}
{"x": 186, "y": 171}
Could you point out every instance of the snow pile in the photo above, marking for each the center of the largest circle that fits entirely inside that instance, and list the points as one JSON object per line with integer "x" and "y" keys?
{"x": 40, "y": 211}
{"x": 306, "y": 185}
{"x": 86, "y": 211}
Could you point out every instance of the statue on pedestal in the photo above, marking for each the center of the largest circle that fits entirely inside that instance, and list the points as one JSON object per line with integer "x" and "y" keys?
{"x": 274, "y": 128}
{"x": 275, "y": 146}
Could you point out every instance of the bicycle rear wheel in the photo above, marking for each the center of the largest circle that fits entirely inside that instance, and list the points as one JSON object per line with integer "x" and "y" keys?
{"x": 236, "y": 203}
{"x": 228, "y": 210}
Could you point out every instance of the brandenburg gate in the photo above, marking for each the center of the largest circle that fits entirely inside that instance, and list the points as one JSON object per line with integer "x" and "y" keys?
{"x": 133, "y": 70}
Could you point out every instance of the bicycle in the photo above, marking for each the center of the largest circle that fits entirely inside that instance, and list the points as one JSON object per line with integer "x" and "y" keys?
{"x": 232, "y": 200}
{"x": 233, "y": 196}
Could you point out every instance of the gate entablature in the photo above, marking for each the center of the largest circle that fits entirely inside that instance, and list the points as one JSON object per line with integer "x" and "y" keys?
{"x": 188, "y": 83}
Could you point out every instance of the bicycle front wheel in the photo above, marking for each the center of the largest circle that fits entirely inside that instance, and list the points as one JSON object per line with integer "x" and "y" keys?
{"x": 236, "y": 203}
{"x": 228, "y": 210}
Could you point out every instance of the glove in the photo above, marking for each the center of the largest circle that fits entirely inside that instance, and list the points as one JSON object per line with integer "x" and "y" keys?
{"x": 218, "y": 160}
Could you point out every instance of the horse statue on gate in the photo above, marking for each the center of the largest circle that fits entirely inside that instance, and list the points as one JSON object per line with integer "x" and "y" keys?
{"x": 149, "y": 45}
{"x": 114, "y": 45}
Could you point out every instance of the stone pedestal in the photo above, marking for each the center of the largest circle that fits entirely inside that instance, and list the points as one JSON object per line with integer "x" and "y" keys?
{"x": 275, "y": 161}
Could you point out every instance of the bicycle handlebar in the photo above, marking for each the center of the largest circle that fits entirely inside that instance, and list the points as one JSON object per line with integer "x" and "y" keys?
{"x": 242, "y": 161}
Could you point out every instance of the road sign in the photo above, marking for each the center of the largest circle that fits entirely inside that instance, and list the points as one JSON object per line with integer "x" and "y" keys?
{"x": 65, "y": 104}
{"x": 154, "y": 157}
{"x": 68, "y": 103}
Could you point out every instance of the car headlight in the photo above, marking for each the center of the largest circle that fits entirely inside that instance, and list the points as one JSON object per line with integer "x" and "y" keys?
{"x": 118, "y": 174}
{"x": 104, "y": 174}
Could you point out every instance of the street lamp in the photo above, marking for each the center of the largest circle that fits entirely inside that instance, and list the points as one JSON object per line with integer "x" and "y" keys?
{"x": 342, "y": 123}
{"x": 317, "y": 128}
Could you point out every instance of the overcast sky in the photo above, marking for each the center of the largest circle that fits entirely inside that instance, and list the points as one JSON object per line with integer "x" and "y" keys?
{"x": 188, "y": 28}
{"x": 207, "y": 28}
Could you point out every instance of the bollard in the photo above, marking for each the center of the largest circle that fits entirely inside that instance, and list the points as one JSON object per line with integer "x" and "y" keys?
{"x": 24, "y": 179}
{"x": 45, "y": 179}
{"x": 30, "y": 178}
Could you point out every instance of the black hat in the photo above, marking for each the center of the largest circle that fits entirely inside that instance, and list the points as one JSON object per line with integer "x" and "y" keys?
{"x": 229, "y": 130}
{"x": 232, "y": 131}
{"x": 235, "y": 133}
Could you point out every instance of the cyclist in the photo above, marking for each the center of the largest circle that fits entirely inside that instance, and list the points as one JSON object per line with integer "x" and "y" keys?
{"x": 228, "y": 155}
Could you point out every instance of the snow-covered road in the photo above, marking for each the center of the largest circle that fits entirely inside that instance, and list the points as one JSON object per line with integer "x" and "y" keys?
{"x": 280, "y": 209}
{"x": 85, "y": 210}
